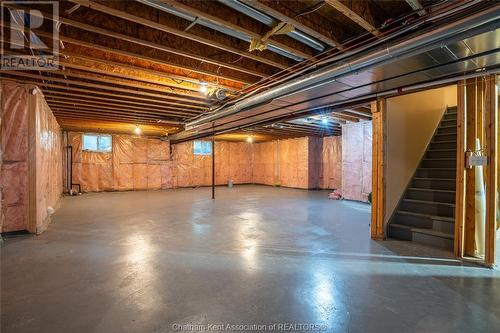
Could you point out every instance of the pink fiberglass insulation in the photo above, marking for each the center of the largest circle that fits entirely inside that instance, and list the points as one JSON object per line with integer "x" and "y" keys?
{"x": 356, "y": 160}
{"x": 330, "y": 174}
{"x": 31, "y": 158}
{"x": 14, "y": 145}
{"x": 48, "y": 161}
{"x": 135, "y": 163}
{"x": 138, "y": 163}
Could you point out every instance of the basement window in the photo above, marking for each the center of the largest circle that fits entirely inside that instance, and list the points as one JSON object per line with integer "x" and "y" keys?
{"x": 97, "y": 143}
{"x": 202, "y": 148}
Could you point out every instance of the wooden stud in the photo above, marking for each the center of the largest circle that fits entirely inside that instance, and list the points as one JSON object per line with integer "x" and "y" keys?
{"x": 491, "y": 118}
{"x": 470, "y": 173}
{"x": 460, "y": 176}
{"x": 379, "y": 123}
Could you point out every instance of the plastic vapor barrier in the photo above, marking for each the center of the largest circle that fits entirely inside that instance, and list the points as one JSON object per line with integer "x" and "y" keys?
{"x": 14, "y": 150}
{"x": 31, "y": 160}
{"x": 48, "y": 161}
{"x": 357, "y": 160}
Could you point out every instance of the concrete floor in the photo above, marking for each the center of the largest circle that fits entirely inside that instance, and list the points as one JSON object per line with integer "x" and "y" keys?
{"x": 148, "y": 261}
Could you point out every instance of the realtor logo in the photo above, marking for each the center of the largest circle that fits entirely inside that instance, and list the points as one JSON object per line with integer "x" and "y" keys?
{"x": 30, "y": 35}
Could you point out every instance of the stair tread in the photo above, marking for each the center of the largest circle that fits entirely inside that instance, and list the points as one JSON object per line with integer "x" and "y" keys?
{"x": 433, "y": 217}
{"x": 440, "y": 159}
{"x": 436, "y": 178}
{"x": 427, "y": 231}
{"x": 433, "y": 233}
{"x": 430, "y": 202}
{"x": 429, "y": 189}
{"x": 426, "y": 168}
{"x": 440, "y": 150}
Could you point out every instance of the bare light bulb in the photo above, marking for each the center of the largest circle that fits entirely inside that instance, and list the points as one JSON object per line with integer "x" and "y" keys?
{"x": 137, "y": 130}
{"x": 203, "y": 88}
{"x": 249, "y": 139}
{"x": 324, "y": 121}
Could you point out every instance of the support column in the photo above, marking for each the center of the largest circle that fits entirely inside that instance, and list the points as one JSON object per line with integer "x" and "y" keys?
{"x": 213, "y": 165}
{"x": 379, "y": 123}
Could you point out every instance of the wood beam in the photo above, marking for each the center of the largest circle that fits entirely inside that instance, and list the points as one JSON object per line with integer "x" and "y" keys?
{"x": 117, "y": 104}
{"x": 100, "y": 106}
{"x": 173, "y": 80}
{"x": 196, "y": 98}
{"x": 417, "y": 6}
{"x": 160, "y": 47}
{"x": 353, "y": 16}
{"x": 161, "y": 27}
{"x": 65, "y": 95}
{"x": 297, "y": 22}
{"x": 85, "y": 92}
{"x": 156, "y": 61}
{"x": 198, "y": 13}
{"x": 98, "y": 86}
{"x": 379, "y": 172}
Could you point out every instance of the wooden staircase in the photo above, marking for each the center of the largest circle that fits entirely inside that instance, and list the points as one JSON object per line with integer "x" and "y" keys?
{"x": 426, "y": 212}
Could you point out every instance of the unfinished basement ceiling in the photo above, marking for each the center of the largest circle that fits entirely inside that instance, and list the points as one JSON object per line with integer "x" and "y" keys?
{"x": 148, "y": 62}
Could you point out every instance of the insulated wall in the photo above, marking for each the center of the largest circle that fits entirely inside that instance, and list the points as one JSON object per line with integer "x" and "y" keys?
{"x": 233, "y": 161}
{"x": 357, "y": 160}
{"x": 330, "y": 170}
{"x": 48, "y": 161}
{"x": 296, "y": 163}
{"x": 138, "y": 163}
{"x": 14, "y": 150}
{"x": 31, "y": 161}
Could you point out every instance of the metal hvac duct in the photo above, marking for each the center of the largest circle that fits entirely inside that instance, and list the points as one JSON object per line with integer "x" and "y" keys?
{"x": 240, "y": 35}
{"x": 270, "y": 21}
{"x": 471, "y": 25}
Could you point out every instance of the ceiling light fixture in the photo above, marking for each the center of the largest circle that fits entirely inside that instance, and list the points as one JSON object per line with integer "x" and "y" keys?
{"x": 203, "y": 87}
{"x": 137, "y": 130}
{"x": 249, "y": 139}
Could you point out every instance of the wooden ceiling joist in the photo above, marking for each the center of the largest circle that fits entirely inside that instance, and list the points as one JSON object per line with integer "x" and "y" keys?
{"x": 160, "y": 47}
{"x": 114, "y": 103}
{"x": 417, "y": 6}
{"x": 173, "y": 80}
{"x": 353, "y": 16}
{"x": 211, "y": 77}
{"x": 215, "y": 20}
{"x": 177, "y": 32}
{"x": 58, "y": 100}
{"x": 65, "y": 114}
{"x": 121, "y": 101}
{"x": 49, "y": 88}
{"x": 102, "y": 112}
{"x": 99, "y": 86}
{"x": 302, "y": 25}
{"x": 197, "y": 98}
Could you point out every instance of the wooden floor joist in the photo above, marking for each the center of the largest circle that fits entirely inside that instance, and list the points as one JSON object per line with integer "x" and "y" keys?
{"x": 192, "y": 104}
{"x": 161, "y": 27}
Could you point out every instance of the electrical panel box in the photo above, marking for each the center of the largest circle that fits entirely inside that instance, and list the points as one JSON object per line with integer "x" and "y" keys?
{"x": 472, "y": 160}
